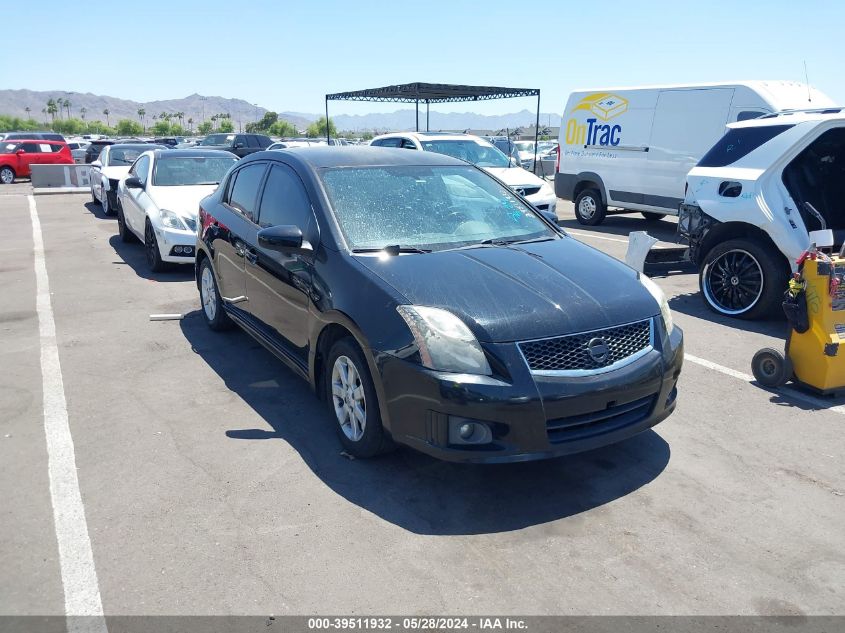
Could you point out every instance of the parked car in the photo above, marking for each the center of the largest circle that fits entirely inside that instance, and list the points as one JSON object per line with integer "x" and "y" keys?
{"x": 379, "y": 276}
{"x": 18, "y": 156}
{"x": 288, "y": 144}
{"x": 239, "y": 144}
{"x": 169, "y": 141}
{"x": 26, "y": 136}
{"x": 631, "y": 148}
{"x": 754, "y": 199}
{"x": 77, "y": 150}
{"x": 94, "y": 149}
{"x": 111, "y": 165}
{"x": 506, "y": 146}
{"x": 477, "y": 151}
{"x": 159, "y": 198}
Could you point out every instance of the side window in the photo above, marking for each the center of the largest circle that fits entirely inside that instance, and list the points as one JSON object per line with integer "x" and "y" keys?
{"x": 45, "y": 148}
{"x": 142, "y": 169}
{"x": 264, "y": 141}
{"x": 284, "y": 200}
{"x": 243, "y": 196}
{"x": 388, "y": 142}
{"x": 56, "y": 148}
{"x": 240, "y": 138}
{"x": 30, "y": 148}
{"x": 252, "y": 141}
{"x": 408, "y": 144}
{"x": 749, "y": 114}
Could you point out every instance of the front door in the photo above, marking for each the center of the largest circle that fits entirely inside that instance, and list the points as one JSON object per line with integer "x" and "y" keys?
{"x": 29, "y": 154}
{"x": 278, "y": 284}
{"x": 136, "y": 200}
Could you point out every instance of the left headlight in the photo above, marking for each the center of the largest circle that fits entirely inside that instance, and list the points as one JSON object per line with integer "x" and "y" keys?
{"x": 172, "y": 221}
{"x": 658, "y": 295}
{"x": 444, "y": 341}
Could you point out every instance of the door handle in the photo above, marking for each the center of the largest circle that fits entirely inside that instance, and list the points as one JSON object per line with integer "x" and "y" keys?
{"x": 251, "y": 256}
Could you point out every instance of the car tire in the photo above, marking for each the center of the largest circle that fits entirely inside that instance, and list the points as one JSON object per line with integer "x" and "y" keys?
{"x": 93, "y": 197}
{"x": 740, "y": 278}
{"x": 106, "y": 204}
{"x": 212, "y": 305}
{"x": 590, "y": 210}
{"x": 151, "y": 250}
{"x": 7, "y": 175}
{"x": 652, "y": 217}
{"x": 771, "y": 368}
{"x": 126, "y": 234}
{"x": 353, "y": 402}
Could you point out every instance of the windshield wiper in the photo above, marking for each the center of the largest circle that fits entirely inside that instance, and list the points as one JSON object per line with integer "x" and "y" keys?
{"x": 392, "y": 249}
{"x": 505, "y": 242}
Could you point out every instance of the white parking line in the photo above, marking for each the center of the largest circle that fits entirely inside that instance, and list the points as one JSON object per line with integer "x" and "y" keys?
{"x": 818, "y": 403}
{"x": 79, "y": 576}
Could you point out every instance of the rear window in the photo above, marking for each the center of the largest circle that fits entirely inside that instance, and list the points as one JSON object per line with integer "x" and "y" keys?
{"x": 739, "y": 142}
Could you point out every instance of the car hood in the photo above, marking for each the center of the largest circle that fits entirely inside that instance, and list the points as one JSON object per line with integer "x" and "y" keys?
{"x": 521, "y": 292}
{"x": 515, "y": 176}
{"x": 184, "y": 200}
{"x": 115, "y": 173}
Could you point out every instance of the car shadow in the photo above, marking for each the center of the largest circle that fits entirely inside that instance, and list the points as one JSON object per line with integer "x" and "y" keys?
{"x": 411, "y": 490}
{"x": 621, "y": 225}
{"x": 97, "y": 211}
{"x": 133, "y": 255}
{"x": 692, "y": 304}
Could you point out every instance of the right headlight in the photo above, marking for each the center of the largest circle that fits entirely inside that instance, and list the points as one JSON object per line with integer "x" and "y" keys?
{"x": 171, "y": 220}
{"x": 444, "y": 341}
{"x": 658, "y": 295}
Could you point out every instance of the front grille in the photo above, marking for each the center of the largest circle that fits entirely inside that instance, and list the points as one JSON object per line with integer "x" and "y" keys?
{"x": 526, "y": 190}
{"x": 572, "y": 352}
{"x": 613, "y": 418}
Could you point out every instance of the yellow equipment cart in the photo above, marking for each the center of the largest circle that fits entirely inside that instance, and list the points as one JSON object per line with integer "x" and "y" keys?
{"x": 815, "y": 346}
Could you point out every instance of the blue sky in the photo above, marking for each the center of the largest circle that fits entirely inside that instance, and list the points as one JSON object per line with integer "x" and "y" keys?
{"x": 285, "y": 56}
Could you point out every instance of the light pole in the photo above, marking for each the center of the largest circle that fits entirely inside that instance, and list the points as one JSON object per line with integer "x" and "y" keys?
{"x": 203, "y": 99}
{"x": 256, "y": 112}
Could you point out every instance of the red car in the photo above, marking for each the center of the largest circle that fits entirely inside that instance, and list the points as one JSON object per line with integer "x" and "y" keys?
{"x": 17, "y": 156}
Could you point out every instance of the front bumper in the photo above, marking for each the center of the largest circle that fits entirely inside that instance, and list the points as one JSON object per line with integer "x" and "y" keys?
{"x": 169, "y": 239}
{"x": 531, "y": 417}
{"x": 543, "y": 200}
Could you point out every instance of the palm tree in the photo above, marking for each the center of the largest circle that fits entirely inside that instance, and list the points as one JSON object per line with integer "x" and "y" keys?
{"x": 82, "y": 112}
{"x": 106, "y": 112}
{"x": 141, "y": 114}
{"x": 44, "y": 112}
{"x": 181, "y": 117}
{"x": 60, "y": 104}
{"x": 27, "y": 108}
{"x": 52, "y": 108}
{"x": 191, "y": 124}
{"x": 67, "y": 107}
{"x": 214, "y": 118}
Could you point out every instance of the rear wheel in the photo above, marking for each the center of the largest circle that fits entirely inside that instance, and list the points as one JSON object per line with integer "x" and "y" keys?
{"x": 7, "y": 176}
{"x": 741, "y": 278}
{"x": 154, "y": 261}
{"x": 771, "y": 368}
{"x": 589, "y": 208}
{"x": 353, "y": 402}
{"x": 653, "y": 217}
{"x": 126, "y": 235}
{"x": 212, "y": 305}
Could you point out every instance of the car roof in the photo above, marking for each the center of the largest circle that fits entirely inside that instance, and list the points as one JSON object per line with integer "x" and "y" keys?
{"x": 433, "y": 136}
{"x": 792, "y": 117}
{"x": 191, "y": 152}
{"x": 327, "y": 156}
{"x": 35, "y": 140}
{"x": 144, "y": 146}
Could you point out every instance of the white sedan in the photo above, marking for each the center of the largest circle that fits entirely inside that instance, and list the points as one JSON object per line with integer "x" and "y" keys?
{"x": 111, "y": 165}
{"x": 158, "y": 201}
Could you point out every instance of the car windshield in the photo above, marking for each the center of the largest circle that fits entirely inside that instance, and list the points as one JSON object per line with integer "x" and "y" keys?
{"x": 191, "y": 170}
{"x": 8, "y": 148}
{"x": 483, "y": 155}
{"x": 524, "y": 146}
{"x": 431, "y": 208}
{"x": 218, "y": 139}
{"x": 120, "y": 156}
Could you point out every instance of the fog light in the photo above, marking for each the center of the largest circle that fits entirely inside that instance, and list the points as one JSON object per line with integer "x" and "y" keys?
{"x": 177, "y": 249}
{"x": 463, "y": 431}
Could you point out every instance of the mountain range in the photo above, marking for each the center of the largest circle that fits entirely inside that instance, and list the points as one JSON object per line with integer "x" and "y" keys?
{"x": 199, "y": 107}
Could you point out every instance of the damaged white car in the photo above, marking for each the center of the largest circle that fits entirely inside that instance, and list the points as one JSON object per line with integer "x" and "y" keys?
{"x": 753, "y": 200}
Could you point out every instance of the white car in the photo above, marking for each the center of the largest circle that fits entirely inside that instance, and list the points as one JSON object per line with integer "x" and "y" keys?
{"x": 754, "y": 199}
{"x": 288, "y": 144}
{"x": 77, "y": 150}
{"x": 479, "y": 152}
{"x": 111, "y": 165}
{"x": 158, "y": 201}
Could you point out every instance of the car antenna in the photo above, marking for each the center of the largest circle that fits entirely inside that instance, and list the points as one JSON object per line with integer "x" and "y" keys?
{"x": 807, "y": 81}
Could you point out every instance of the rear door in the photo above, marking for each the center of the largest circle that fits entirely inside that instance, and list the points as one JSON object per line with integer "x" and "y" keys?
{"x": 236, "y": 231}
{"x": 686, "y": 124}
{"x": 278, "y": 284}
{"x": 28, "y": 157}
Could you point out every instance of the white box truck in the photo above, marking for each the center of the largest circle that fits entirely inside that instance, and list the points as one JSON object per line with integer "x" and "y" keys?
{"x": 630, "y": 149}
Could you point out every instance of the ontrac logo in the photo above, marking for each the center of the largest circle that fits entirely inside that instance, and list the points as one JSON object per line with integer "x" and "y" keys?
{"x": 604, "y": 106}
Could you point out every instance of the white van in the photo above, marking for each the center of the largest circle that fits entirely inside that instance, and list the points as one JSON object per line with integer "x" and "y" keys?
{"x": 631, "y": 148}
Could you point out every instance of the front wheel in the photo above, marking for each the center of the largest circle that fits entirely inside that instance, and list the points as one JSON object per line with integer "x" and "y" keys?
{"x": 108, "y": 207}
{"x": 7, "y": 176}
{"x": 154, "y": 261}
{"x": 771, "y": 368}
{"x": 741, "y": 278}
{"x": 589, "y": 208}
{"x": 353, "y": 402}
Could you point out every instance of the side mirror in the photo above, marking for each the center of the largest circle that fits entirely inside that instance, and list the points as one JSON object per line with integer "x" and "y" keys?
{"x": 133, "y": 183}
{"x": 97, "y": 163}
{"x": 515, "y": 162}
{"x": 551, "y": 217}
{"x": 238, "y": 145}
{"x": 284, "y": 237}
{"x": 20, "y": 151}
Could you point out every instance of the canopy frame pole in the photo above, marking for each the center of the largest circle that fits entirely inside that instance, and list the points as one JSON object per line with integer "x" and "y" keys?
{"x": 328, "y": 134}
{"x": 536, "y": 133}
{"x": 426, "y": 115}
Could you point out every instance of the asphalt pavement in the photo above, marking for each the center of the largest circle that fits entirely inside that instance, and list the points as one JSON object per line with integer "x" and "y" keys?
{"x": 213, "y": 483}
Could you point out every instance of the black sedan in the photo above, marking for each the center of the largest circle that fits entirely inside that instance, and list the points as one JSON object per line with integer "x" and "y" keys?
{"x": 433, "y": 307}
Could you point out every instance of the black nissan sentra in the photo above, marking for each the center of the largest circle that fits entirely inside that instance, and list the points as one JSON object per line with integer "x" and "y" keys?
{"x": 431, "y": 306}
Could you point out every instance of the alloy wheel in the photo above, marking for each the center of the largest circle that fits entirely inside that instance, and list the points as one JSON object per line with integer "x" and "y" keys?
{"x": 733, "y": 282}
{"x": 7, "y": 176}
{"x": 208, "y": 294}
{"x": 350, "y": 403}
{"x": 150, "y": 245}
